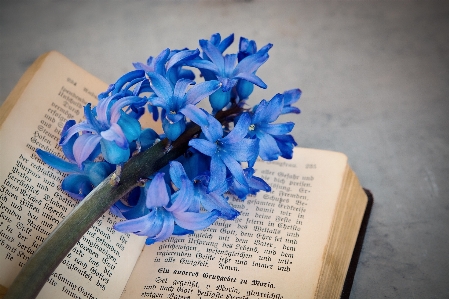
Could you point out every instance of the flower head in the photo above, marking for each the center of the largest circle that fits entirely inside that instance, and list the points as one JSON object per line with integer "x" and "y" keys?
{"x": 226, "y": 151}
{"x": 261, "y": 127}
{"x": 164, "y": 213}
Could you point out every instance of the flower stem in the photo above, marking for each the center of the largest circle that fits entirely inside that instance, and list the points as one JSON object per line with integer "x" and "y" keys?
{"x": 58, "y": 244}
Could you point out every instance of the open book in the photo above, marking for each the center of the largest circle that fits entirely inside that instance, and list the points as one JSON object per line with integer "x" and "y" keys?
{"x": 294, "y": 242}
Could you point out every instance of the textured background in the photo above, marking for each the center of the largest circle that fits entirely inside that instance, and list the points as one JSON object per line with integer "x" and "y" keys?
{"x": 374, "y": 76}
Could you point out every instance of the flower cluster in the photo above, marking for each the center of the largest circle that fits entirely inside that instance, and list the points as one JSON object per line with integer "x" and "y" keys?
{"x": 189, "y": 193}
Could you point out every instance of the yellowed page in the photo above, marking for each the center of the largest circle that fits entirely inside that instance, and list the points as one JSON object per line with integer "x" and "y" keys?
{"x": 274, "y": 249}
{"x": 31, "y": 201}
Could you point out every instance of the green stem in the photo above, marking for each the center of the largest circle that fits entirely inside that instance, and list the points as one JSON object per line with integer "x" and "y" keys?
{"x": 52, "y": 251}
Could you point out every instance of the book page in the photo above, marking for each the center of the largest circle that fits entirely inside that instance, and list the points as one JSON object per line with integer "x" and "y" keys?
{"x": 31, "y": 200}
{"x": 274, "y": 249}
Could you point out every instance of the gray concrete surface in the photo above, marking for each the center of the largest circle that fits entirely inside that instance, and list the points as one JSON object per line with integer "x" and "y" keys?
{"x": 374, "y": 76}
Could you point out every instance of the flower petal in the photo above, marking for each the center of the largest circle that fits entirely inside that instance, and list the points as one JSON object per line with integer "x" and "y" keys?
{"x": 268, "y": 149}
{"x": 113, "y": 153}
{"x": 176, "y": 173}
{"x": 182, "y": 56}
{"x": 234, "y": 167}
{"x": 251, "y": 63}
{"x": 202, "y": 90}
{"x": 183, "y": 198}
{"x": 218, "y": 173}
{"x": 196, "y": 221}
{"x": 277, "y": 129}
{"x": 213, "y": 53}
{"x": 250, "y": 77}
{"x": 240, "y": 130}
{"x": 77, "y": 185}
{"x": 160, "y": 86}
{"x": 203, "y": 64}
{"x": 244, "y": 150}
{"x": 84, "y": 146}
{"x": 80, "y": 127}
{"x": 157, "y": 194}
{"x": 116, "y": 134}
{"x": 129, "y": 126}
{"x": 291, "y": 96}
{"x": 195, "y": 114}
{"x": 97, "y": 171}
{"x": 57, "y": 162}
{"x": 204, "y": 146}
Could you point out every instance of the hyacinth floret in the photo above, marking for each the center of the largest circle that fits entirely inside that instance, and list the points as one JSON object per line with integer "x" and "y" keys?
{"x": 215, "y": 166}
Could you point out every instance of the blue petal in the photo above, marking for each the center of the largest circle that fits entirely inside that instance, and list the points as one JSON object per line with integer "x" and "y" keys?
{"x": 77, "y": 185}
{"x": 234, "y": 167}
{"x": 203, "y": 65}
{"x": 240, "y": 130}
{"x": 113, "y": 153}
{"x": 167, "y": 227}
{"x": 182, "y": 56}
{"x": 250, "y": 77}
{"x": 130, "y": 127}
{"x": 127, "y": 78}
{"x": 158, "y": 63}
{"x": 213, "y": 131}
{"x": 57, "y": 162}
{"x": 98, "y": 171}
{"x": 80, "y": 127}
{"x": 173, "y": 130}
{"x": 277, "y": 129}
{"x": 202, "y": 90}
{"x": 116, "y": 109}
{"x": 115, "y": 133}
{"x": 84, "y": 146}
{"x": 219, "y": 99}
{"x": 225, "y": 43}
{"x": 230, "y": 61}
{"x": 195, "y": 114}
{"x": 291, "y": 96}
{"x": 149, "y": 223}
{"x": 157, "y": 194}
{"x": 183, "y": 198}
{"x": 176, "y": 173}
{"x": 216, "y": 201}
{"x": 275, "y": 106}
{"x": 244, "y": 150}
{"x": 251, "y": 63}
{"x": 268, "y": 149}
{"x": 203, "y": 146}
{"x": 289, "y": 109}
{"x": 179, "y": 94}
{"x": 218, "y": 173}
{"x": 67, "y": 148}
{"x": 161, "y": 86}
{"x": 179, "y": 231}
{"x": 196, "y": 221}
{"x": 213, "y": 53}
{"x": 147, "y": 138}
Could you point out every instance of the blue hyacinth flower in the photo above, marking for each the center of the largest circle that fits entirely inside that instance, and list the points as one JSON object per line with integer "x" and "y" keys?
{"x": 255, "y": 184}
{"x": 262, "y": 128}
{"x": 210, "y": 201}
{"x": 228, "y": 71}
{"x": 226, "y": 151}
{"x": 165, "y": 212}
{"x": 169, "y": 64}
{"x": 178, "y": 101}
{"x": 80, "y": 181}
{"x": 107, "y": 125}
